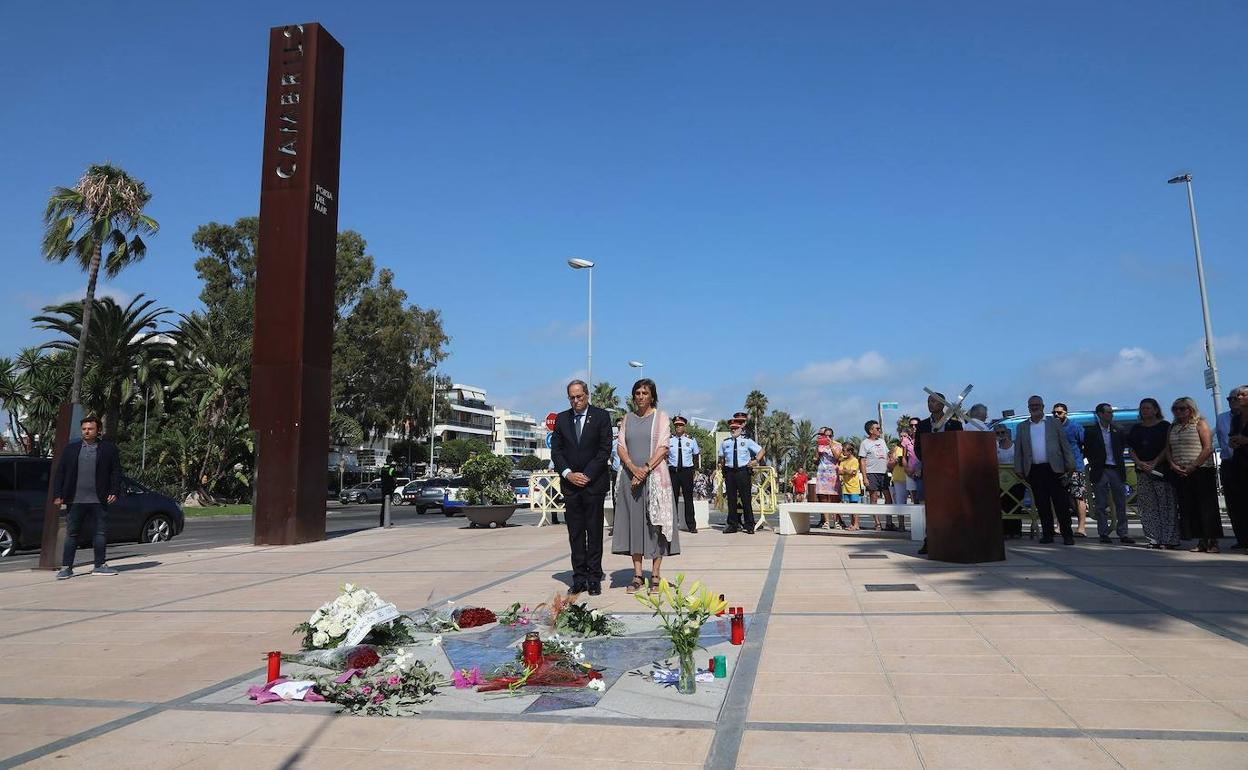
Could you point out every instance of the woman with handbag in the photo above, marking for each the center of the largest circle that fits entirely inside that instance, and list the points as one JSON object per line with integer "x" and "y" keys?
{"x": 1159, "y": 513}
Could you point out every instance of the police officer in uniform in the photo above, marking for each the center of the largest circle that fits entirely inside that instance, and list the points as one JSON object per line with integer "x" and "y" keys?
{"x": 682, "y": 458}
{"x": 388, "y": 474}
{"x": 738, "y": 456}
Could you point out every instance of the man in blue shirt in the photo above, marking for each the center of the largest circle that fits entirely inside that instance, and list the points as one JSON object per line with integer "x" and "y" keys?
{"x": 682, "y": 458}
{"x": 738, "y": 456}
{"x": 1078, "y": 488}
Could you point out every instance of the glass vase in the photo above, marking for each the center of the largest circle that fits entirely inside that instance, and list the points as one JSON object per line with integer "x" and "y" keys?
{"x": 686, "y": 680}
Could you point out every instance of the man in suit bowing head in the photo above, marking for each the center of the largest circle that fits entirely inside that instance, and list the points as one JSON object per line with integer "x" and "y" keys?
{"x": 581, "y": 451}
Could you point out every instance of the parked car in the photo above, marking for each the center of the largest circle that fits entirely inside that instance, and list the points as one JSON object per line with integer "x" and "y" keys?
{"x": 442, "y": 494}
{"x": 396, "y": 498}
{"x": 139, "y": 515}
{"x": 521, "y": 488}
{"x": 1124, "y": 418}
{"x": 369, "y": 492}
{"x": 410, "y": 493}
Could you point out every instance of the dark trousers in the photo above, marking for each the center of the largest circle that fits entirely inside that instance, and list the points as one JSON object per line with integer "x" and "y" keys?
{"x": 682, "y": 484}
{"x": 1235, "y": 487}
{"x": 1111, "y": 484}
{"x": 583, "y": 514}
{"x": 79, "y": 512}
{"x": 1051, "y": 499}
{"x": 737, "y": 487}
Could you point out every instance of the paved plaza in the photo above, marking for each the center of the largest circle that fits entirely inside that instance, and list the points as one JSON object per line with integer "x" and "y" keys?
{"x": 1064, "y": 657}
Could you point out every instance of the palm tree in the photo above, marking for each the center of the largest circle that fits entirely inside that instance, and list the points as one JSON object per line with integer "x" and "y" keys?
{"x": 103, "y": 209}
{"x": 32, "y": 388}
{"x": 776, "y": 438}
{"x": 804, "y": 445}
{"x": 125, "y": 340}
{"x": 604, "y": 397}
{"x": 756, "y": 407}
{"x": 903, "y": 422}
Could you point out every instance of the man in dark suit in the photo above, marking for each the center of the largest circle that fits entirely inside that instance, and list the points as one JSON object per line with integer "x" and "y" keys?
{"x": 88, "y": 480}
{"x": 581, "y": 451}
{"x": 1104, "y": 447}
{"x": 927, "y": 426}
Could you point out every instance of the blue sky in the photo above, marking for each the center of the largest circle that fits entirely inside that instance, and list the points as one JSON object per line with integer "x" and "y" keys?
{"x": 835, "y": 203}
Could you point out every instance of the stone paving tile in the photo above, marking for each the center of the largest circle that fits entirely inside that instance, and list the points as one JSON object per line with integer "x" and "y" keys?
{"x": 989, "y": 712}
{"x": 974, "y": 752}
{"x": 965, "y": 685}
{"x": 1174, "y": 755}
{"x": 24, "y": 727}
{"x": 760, "y": 749}
{"x": 1153, "y": 715}
{"x": 109, "y": 752}
{"x": 807, "y": 709}
{"x": 635, "y": 744}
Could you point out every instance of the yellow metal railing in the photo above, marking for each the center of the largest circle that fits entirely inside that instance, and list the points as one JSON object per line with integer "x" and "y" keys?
{"x": 545, "y": 495}
{"x": 764, "y": 493}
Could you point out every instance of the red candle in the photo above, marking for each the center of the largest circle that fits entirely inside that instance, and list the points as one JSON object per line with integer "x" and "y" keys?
{"x": 532, "y": 650}
{"x": 275, "y": 665}
{"x": 738, "y": 628}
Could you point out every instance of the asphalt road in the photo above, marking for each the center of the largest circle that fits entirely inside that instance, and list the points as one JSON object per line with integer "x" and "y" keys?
{"x": 236, "y": 530}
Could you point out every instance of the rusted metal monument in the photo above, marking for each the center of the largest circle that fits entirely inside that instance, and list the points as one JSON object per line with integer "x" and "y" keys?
{"x": 292, "y": 344}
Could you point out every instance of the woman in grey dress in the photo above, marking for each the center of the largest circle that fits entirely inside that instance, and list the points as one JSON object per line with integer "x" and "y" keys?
{"x": 644, "y": 523}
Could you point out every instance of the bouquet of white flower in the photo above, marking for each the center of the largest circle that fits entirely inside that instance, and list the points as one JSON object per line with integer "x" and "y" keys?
{"x": 333, "y": 622}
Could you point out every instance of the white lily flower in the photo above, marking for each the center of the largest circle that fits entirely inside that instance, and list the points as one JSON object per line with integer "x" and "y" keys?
{"x": 597, "y": 685}
{"x": 436, "y": 641}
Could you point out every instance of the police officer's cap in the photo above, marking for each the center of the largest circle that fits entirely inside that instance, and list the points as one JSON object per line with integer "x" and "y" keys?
{"x": 678, "y": 420}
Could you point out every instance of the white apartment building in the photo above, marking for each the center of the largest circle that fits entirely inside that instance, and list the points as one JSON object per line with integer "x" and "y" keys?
{"x": 471, "y": 416}
{"x": 516, "y": 434}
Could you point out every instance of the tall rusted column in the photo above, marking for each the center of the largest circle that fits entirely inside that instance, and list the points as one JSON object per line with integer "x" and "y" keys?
{"x": 295, "y": 283}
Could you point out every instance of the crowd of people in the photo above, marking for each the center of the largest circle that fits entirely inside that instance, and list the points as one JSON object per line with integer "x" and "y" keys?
{"x": 1056, "y": 464}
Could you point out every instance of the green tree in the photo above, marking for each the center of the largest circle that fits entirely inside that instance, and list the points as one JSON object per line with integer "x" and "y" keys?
{"x": 605, "y": 397}
{"x": 804, "y": 445}
{"x": 103, "y": 210}
{"x": 455, "y": 453}
{"x": 530, "y": 463}
{"x": 776, "y": 438}
{"x": 32, "y": 388}
{"x": 756, "y": 407}
{"x": 124, "y": 341}
{"x": 706, "y": 445}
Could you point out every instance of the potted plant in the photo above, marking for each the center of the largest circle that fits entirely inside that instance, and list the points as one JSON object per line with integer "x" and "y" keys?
{"x": 488, "y": 498}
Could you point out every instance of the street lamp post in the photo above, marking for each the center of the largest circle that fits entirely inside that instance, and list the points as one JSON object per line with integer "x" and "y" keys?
{"x": 433, "y": 411}
{"x": 1211, "y": 375}
{"x": 639, "y": 365}
{"x": 585, "y": 264}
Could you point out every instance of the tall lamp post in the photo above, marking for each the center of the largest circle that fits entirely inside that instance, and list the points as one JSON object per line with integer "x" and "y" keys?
{"x": 433, "y": 411}
{"x": 639, "y": 365}
{"x": 1211, "y": 374}
{"x": 585, "y": 264}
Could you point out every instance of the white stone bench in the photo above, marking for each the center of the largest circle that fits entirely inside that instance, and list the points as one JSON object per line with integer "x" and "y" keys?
{"x": 795, "y": 517}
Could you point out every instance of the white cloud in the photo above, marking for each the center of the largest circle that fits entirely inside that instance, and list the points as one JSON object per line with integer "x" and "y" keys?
{"x": 868, "y": 366}
{"x": 555, "y": 331}
{"x": 35, "y": 301}
{"x": 1134, "y": 367}
{"x": 1130, "y": 366}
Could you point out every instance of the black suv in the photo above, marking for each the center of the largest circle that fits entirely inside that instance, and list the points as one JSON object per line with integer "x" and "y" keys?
{"x": 139, "y": 515}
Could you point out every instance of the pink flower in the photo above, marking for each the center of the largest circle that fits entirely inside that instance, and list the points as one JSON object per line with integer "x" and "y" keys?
{"x": 464, "y": 678}
{"x": 393, "y": 681}
{"x": 365, "y": 690}
{"x": 378, "y": 698}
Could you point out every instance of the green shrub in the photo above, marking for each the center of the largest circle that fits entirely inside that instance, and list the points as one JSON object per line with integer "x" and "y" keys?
{"x": 485, "y": 478}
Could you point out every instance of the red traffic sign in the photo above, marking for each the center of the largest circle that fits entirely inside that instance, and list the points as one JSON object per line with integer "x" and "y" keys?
{"x": 550, "y": 421}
